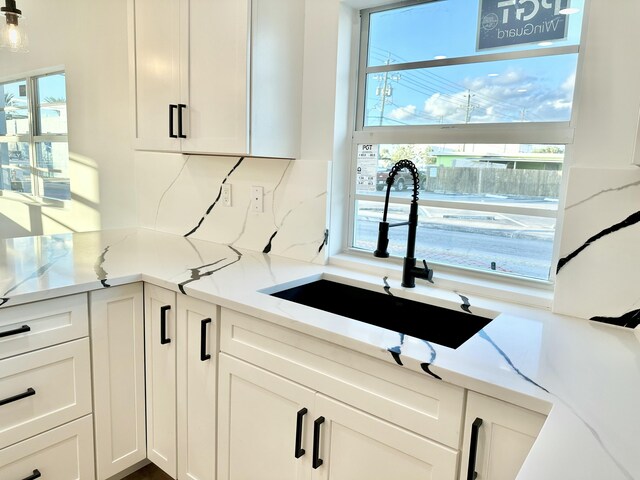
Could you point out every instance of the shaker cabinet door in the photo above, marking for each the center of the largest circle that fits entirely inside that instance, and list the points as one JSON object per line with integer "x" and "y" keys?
{"x": 160, "y": 341}
{"x": 354, "y": 444}
{"x": 504, "y": 434}
{"x": 117, "y": 346}
{"x": 260, "y": 415}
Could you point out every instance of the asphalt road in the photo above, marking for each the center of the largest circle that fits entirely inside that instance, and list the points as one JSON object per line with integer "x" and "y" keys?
{"x": 524, "y": 255}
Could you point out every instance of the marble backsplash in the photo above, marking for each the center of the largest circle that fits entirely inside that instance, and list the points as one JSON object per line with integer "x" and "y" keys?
{"x": 181, "y": 194}
{"x": 597, "y": 273}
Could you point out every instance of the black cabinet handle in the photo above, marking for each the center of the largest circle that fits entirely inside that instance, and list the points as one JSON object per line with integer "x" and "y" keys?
{"x": 16, "y": 331}
{"x": 181, "y": 106}
{"x": 36, "y": 474}
{"x": 30, "y": 391}
{"x": 473, "y": 449}
{"x": 171, "y": 109}
{"x": 317, "y": 461}
{"x": 163, "y": 324}
{"x": 299, "y": 419}
{"x": 203, "y": 339}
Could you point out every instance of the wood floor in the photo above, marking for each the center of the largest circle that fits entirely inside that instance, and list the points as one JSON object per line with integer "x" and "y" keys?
{"x": 150, "y": 472}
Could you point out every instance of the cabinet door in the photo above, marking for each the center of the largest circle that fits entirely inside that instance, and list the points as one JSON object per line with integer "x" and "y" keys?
{"x": 257, "y": 424}
{"x": 354, "y": 445}
{"x": 154, "y": 69}
{"x": 64, "y": 453}
{"x": 504, "y": 437}
{"x": 43, "y": 389}
{"x": 117, "y": 344}
{"x": 197, "y": 378}
{"x": 160, "y": 353}
{"x": 214, "y": 80}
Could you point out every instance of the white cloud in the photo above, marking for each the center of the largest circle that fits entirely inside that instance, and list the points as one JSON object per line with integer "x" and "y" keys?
{"x": 402, "y": 113}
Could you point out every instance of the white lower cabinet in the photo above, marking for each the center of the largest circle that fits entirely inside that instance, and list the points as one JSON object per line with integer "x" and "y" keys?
{"x": 228, "y": 396}
{"x": 497, "y": 438}
{"x": 64, "y": 453}
{"x": 273, "y": 428}
{"x": 117, "y": 341}
{"x": 181, "y": 378}
{"x": 160, "y": 342}
{"x": 197, "y": 378}
{"x": 258, "y": 422}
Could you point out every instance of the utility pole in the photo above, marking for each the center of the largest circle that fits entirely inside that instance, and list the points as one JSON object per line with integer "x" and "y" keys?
{"x": 386, "y": 89}
{"x": 469, "y": 107}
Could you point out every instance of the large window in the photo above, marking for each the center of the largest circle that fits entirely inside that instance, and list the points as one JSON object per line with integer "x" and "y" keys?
{"x": 478, "y": 94}
{"x": 34, "y": 154}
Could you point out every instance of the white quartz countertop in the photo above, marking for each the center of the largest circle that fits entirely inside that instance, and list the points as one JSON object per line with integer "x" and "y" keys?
{"x": 585, "y": 375}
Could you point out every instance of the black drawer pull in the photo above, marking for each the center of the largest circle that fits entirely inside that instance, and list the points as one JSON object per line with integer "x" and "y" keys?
{"x": 317, "y": 461}
{"x": 299, "y": 419}
{"x": 163, "y": 324}
{"x": 473, "y": 449}
{"x": 16, "y": 331}
{"x": 36, "y": 474}
{"x": 203, "y": 339}
{"x": 30, "y": 391}
{"x": 171, "y": 109}
{"x": 181, "y": 106}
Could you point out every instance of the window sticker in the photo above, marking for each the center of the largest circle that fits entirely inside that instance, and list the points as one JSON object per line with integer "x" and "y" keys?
{"x": 515, "y": 22}
{"x": 366, "y": 167}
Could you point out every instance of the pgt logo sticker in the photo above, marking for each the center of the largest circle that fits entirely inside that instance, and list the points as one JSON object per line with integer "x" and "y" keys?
{"x": 513, "y": 22}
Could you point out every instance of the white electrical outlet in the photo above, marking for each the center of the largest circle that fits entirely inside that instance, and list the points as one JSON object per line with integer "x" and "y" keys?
{"x": 257, "y": 199}
{"x": 226, "y": 194}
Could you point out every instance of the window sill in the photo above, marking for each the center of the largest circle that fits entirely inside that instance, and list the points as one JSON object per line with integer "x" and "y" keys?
{"x": 531, "y": 293}
{"x": 28, "y": 199}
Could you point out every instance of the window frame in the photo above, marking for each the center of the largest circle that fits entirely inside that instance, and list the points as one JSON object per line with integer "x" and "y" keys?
{"x": 34, "y": 137}
{"x": 546, "y": 133}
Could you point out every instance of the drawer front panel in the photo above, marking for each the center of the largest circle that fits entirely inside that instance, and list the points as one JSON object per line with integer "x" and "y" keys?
{"x": 24, "y": 328}
{"x": 43, "y": 389}
{"x": 64, "y": 453}
{"x": 421, "y": 404}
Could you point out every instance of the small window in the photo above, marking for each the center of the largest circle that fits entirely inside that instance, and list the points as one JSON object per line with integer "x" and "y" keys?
{"x": 34, "y": 153}
{"x": 479, "y": 95}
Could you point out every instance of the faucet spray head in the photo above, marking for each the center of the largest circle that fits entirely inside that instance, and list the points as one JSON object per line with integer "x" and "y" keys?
{"x": 383, "y": 241}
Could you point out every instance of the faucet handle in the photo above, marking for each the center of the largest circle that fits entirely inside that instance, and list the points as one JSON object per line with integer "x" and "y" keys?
{"x": 428, "y": 271}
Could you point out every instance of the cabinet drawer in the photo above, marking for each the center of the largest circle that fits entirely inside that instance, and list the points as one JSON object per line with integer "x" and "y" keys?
{"x": 426, "y": 406}
{"x": 43, "y": 389}
{"x": 24, "y": 328}
{"x": 64, "y": 453}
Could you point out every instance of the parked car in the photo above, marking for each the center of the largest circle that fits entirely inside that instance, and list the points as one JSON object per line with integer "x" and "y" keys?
{"x": 402, "y": 181}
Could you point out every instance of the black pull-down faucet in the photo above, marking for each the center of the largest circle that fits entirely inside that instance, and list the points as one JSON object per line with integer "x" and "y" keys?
{"x": 409, "y": 270}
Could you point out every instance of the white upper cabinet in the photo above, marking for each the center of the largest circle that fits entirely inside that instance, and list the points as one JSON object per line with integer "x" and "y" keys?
{"x": 217, "y": 76}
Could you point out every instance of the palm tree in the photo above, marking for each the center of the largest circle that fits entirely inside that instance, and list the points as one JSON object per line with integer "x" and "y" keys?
{"x": 54, "y": 100}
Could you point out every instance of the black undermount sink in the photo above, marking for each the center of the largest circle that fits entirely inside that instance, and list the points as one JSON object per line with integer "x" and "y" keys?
{"x": 440, "y": 325}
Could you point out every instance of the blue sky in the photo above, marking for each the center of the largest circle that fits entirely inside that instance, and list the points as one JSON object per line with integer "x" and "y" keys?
{"x": 538, "y": 89}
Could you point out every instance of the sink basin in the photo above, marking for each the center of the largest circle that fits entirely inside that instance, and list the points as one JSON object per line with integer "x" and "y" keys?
{"x": 432, "y": 323}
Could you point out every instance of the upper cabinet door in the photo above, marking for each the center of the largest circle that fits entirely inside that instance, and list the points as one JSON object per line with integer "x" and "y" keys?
{"x": 220, "y": 77}
{"x": 154, "y": 64}
{"x": 215, "y": 78}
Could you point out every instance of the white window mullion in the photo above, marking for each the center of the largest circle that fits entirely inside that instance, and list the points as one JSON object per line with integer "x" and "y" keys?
{"x": 31, "y": 100}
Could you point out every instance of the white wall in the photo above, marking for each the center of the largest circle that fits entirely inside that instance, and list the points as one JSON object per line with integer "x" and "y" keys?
{"x": 89, "y": 40}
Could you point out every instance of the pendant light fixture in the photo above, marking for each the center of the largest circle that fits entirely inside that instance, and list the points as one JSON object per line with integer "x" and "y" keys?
{"x": 12, "y": 35}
